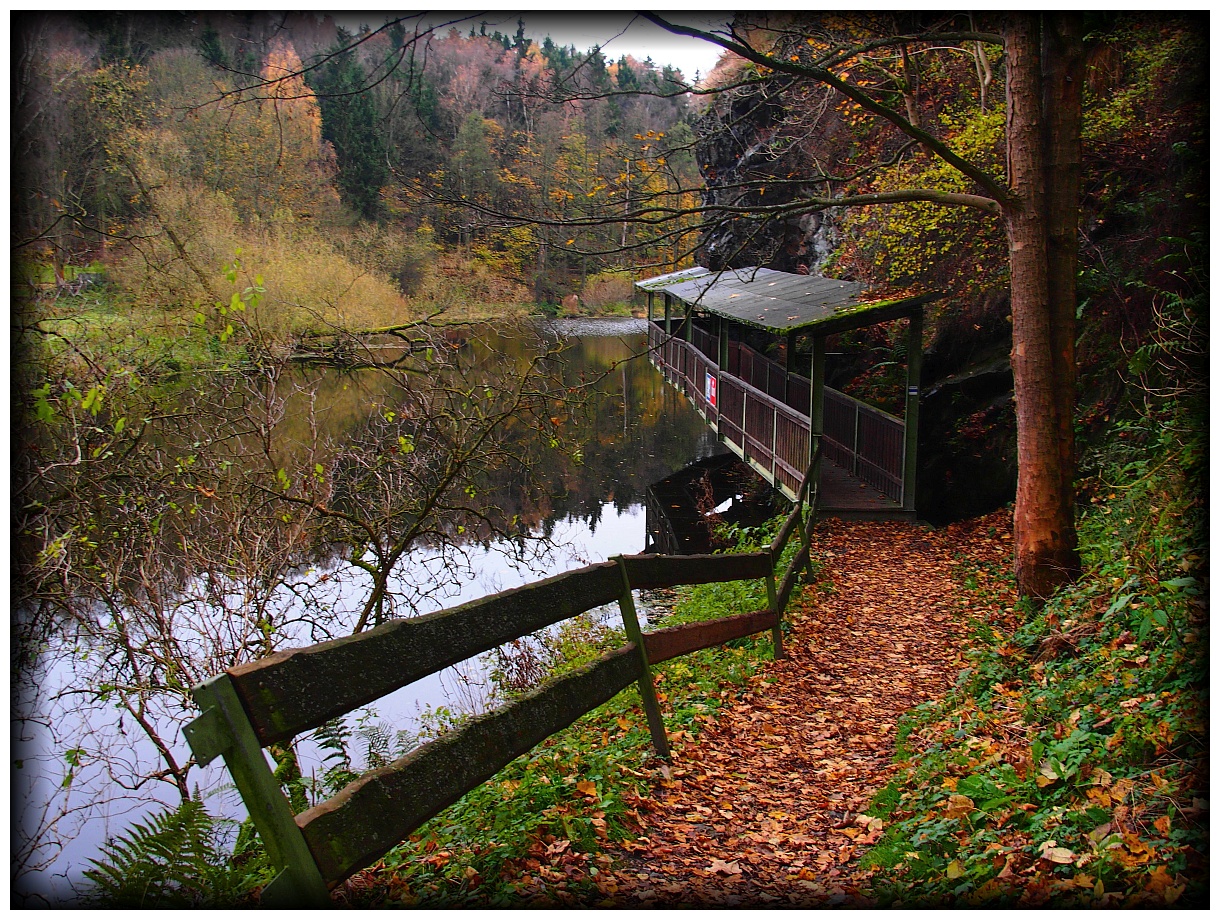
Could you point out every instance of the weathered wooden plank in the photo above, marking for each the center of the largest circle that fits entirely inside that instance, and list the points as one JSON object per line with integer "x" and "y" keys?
{"x": 377, "y": 811}
{"x": 667, "y": 571}
{"x": 292, "y": 691}
{"x": 790, "y": 577}
{"x": 664, "y": 644}
{"x": 785, "y": 532}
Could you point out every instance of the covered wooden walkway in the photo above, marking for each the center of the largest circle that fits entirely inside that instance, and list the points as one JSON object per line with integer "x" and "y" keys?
{"x": 765, "y": 411}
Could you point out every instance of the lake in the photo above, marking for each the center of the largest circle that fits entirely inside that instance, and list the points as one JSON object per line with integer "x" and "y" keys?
{"x": 570, "y": 493}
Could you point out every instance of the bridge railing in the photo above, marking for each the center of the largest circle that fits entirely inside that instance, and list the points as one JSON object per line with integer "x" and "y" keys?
{"x": 868, "y": 443}
{"x": 764, "y": 412}
{"x": 271, "y": 701}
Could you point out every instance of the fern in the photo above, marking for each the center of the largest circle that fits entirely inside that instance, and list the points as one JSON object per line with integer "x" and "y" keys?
{"x": 379, "y": 743}
{"x": 173, "y": 859}
{"x": 334, "y": 740}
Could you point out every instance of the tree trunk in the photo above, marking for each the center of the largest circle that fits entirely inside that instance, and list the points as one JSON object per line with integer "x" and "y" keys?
{"x": 1062, "y": 82}
{"x": 1041, "y": 225}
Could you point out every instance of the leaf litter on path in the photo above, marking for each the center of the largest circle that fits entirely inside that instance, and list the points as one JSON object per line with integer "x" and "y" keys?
{"x": 766, "y": 805}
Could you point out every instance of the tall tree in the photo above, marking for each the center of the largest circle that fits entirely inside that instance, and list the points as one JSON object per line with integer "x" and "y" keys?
{"x": 350, "y": 124}
{"x": 1037, "y": 202}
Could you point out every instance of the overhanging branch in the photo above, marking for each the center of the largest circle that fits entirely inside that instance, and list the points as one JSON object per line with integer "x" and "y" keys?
{"x": 985, "y": 180}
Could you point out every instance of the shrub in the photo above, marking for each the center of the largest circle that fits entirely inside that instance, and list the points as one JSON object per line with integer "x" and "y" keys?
{"x": 607, "y": 289}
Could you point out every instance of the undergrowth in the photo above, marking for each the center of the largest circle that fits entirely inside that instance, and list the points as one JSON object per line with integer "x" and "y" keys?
{"x": 1069, "y": 766}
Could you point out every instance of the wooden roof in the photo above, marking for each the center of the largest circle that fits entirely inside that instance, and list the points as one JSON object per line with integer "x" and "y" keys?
{"x": 660, "y": 282}
{"x": 781, "y": 302}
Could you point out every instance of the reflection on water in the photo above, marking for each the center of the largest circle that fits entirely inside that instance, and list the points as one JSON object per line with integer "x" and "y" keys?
{"x": 572, "y": 508}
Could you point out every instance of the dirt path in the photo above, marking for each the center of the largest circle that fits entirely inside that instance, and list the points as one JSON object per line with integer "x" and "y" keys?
{"x": 764, "y": 808}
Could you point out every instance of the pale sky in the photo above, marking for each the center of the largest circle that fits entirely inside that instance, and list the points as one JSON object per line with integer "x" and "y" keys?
{"x": 642, "y": 39}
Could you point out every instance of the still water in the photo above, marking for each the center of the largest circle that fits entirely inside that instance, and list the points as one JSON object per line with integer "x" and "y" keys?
{"x": 635, "y": 431}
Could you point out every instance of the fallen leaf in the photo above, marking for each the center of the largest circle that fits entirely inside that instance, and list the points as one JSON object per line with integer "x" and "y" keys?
{"x": 959, "y": 806}
{"x": 1060, "y": 855}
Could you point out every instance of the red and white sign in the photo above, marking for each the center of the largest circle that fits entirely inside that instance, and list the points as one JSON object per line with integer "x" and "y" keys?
{"x": 709, "y": 389}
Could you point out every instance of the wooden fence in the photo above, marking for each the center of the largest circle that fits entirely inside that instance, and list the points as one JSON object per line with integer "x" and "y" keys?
{"x": 274, "y": 699}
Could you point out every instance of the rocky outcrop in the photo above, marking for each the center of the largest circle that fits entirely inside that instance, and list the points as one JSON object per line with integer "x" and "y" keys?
{"x": 748, "y": 159}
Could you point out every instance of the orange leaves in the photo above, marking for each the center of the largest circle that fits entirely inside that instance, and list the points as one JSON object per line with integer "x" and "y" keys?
{"x": 587, "y": 788}
{"x": 725, "y": 868}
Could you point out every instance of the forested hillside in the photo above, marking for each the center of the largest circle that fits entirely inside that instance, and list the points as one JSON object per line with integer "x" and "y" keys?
{"x": 349, "y": 168}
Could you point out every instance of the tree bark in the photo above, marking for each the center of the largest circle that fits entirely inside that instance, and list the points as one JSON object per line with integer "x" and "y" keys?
{"x": 1062, "y": 83}
{"x": 1040, "y": 220}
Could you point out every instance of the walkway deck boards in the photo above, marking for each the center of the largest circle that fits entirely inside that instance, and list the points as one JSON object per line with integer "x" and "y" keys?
{"x": 842, "y": 495}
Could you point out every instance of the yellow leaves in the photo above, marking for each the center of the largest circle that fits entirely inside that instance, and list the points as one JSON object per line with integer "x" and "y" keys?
{"x": 587, "y": 788}
{"x": 1047, "y": 775}
{"x": 954, "y": 870}
{"x": 1099, "y": 797}
{"x": 1134, "y": 851}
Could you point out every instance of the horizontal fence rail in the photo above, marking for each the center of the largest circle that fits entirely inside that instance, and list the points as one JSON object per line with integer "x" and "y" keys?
{"x": 272, "y": 700}
{"x": 376, "y": 812}
{"x": 294, "y": 691}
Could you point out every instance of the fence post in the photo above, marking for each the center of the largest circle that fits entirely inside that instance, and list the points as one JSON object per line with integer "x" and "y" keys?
{"x": 224, "y": 729}
{"x": 811, "y": 519}
{"x": 648, "y": 691}
{"x": 777, "y": 632}
{"x": 774, "y": 441}
{"x": 855, "y": 439}
{"x": 910, "y": 464}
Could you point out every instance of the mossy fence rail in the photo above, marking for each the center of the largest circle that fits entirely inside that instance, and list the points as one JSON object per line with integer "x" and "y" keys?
{"x": 270, "y": 701}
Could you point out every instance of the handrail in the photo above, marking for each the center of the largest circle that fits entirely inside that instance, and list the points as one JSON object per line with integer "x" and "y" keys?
{"x": 867, "y": 442}
{"x": 269, "y": 701}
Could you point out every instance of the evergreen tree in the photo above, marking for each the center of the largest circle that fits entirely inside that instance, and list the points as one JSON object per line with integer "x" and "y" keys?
{"x": 350, "y": 124}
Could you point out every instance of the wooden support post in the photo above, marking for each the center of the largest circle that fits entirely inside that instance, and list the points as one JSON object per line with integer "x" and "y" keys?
{"x": 668, "y": 320}
{"x": 789, "y": 364}
{"x": 774, "y": 442}
{"x": 910, "y": 460}
{"x": 811, "y": 518}
{"x": 225, "y": 729}
{"x": 817, "y": 393}
{"x": 648, "y": 692}
{"x": 722, "y": 344}
{"x": 777, "y": 632}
